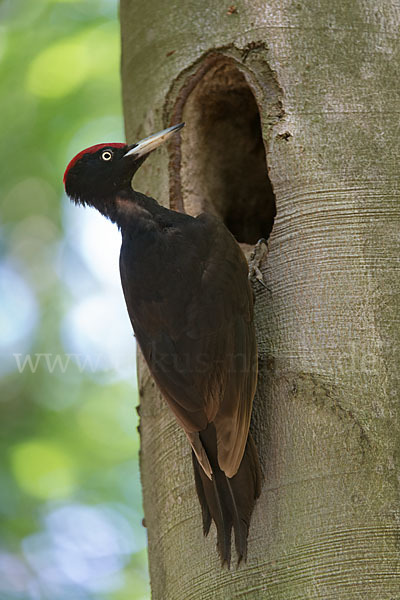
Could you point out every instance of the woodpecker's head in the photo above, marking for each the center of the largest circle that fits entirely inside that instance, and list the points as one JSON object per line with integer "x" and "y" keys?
{"x": 97, "y": 174}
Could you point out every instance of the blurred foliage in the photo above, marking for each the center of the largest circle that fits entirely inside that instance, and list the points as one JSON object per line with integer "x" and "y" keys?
{"x": 70, "y": 500}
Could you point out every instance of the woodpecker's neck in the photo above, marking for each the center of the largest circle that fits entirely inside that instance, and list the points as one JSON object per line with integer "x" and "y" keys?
{"x": 133, "y": 210}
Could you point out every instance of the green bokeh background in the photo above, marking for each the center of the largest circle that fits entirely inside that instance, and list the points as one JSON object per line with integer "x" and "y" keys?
{"x": 70, "y": 500}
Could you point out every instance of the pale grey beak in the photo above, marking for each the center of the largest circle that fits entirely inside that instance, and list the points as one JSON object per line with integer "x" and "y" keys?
{"x": 152, "y": 142}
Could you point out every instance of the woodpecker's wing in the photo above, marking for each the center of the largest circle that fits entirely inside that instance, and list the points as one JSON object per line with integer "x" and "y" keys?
{"x": 196, "y": 332}
{"x": 221, "y": 323}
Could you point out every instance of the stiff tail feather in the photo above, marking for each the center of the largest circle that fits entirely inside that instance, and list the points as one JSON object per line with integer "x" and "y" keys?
{"x": 229, "y": 502}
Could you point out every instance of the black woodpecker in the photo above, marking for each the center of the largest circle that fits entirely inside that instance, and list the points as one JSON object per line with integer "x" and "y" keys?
{"x": 186, "y": 288}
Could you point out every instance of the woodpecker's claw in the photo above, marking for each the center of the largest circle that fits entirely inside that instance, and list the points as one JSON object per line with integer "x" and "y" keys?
{"x": 256, "y": 258}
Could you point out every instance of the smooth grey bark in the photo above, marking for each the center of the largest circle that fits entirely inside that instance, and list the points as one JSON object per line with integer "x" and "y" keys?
{"x": 327, "y": 406}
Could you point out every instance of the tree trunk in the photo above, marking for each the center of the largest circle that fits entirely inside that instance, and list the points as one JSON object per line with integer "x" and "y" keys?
{"x": 323, "y": 76}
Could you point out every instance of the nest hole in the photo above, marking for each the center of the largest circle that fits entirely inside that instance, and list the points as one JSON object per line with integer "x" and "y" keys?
{"x": 224, "y": 167}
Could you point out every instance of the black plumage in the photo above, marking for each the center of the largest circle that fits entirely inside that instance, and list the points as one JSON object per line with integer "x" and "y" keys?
{"x": 185, "y": 282}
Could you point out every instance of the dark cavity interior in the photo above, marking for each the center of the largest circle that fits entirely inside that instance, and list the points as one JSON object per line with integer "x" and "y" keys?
{"x": 224, "y": 168}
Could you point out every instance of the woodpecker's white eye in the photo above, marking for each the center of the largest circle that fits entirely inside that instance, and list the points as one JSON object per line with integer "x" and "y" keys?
{"x": 106, "y": 155}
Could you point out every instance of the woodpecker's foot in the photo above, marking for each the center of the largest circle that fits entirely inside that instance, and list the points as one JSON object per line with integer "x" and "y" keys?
{"x": 256, "y": 258}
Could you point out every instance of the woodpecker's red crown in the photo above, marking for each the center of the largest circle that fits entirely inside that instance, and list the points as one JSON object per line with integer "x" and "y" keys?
{"x": 90, "y": 150}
